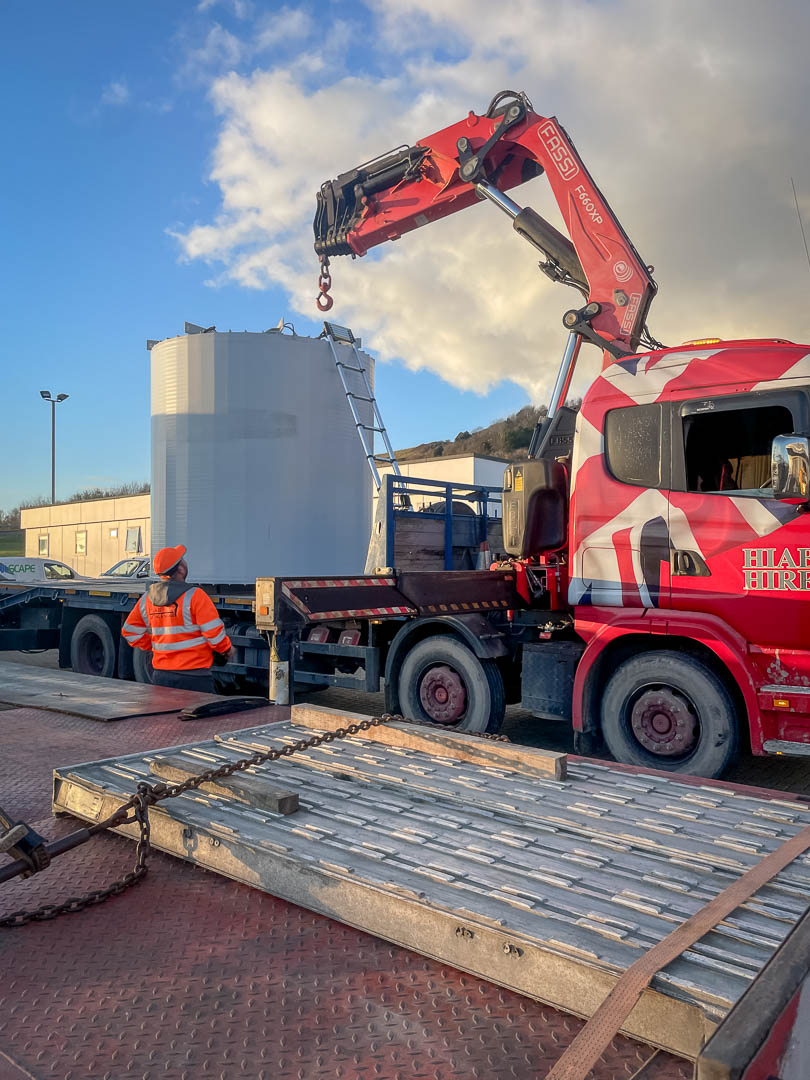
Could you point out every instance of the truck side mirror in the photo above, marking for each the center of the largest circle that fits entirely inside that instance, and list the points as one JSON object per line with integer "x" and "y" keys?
{"x": 790, "y": 468}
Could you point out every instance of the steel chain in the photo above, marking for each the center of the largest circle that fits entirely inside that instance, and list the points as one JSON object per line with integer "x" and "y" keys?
{"x": 323, "y": 299}
{"x": 149, "y": 794}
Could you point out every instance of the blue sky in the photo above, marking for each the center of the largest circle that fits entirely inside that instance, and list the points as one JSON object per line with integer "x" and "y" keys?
{"x": 108, "y": 149}
{"x": 161, "y": 161}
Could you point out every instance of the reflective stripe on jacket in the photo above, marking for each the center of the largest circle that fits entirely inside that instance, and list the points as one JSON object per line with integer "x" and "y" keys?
{"x": 179, "y": 624}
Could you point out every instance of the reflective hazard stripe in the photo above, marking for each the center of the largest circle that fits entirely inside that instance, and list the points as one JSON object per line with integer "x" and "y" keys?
{"x": 188, "y": 622}
{"x": 173, "y": 646}
{"x": 162, "y": 631}
{"x": 216, "y": 640}
{"x": 211, "y": 624}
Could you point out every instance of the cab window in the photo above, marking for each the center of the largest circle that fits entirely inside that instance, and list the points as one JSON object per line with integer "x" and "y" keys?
{"x": 727, "y": 443}
{"x": 635, "y": 445}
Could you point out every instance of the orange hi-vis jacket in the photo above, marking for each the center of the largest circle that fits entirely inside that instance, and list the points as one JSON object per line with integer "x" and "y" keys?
{"x": 179, "y": 623}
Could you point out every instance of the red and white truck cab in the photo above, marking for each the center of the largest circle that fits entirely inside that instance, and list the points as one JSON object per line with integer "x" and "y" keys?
{"x": 677, "y": 535}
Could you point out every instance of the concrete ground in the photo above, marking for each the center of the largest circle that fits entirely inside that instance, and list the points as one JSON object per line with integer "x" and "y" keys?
{"x": 779, "y": 773}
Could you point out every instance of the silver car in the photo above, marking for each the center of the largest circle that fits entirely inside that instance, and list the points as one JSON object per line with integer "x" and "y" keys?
{"x": 138, "y": 566}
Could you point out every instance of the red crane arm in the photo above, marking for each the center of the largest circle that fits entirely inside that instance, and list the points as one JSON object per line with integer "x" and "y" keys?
{"x": 484, "y": 156}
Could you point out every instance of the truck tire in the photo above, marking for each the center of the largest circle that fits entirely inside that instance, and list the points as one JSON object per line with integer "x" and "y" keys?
{"x": 442, "y": 681}
{"x": 664, "y": 710}
{"x": 142, "y": 665}
{"x": 125, "y": 661}
{"x": 93, "y": 647}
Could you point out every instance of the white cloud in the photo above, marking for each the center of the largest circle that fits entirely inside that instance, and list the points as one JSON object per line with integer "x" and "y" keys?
{"x": 242, "y": 9}
{"x": 219, "y": 51}
{"x": 691, "y": 117}
{"x": 115, "y": 93}
{"x": 287, "y": 25}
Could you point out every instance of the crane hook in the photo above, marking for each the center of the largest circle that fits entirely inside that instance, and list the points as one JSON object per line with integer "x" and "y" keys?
{"x": 323, "y": 299}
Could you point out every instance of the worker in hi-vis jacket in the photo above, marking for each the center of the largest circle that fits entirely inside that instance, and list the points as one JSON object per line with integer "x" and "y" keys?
{"x": 180, "y": 625}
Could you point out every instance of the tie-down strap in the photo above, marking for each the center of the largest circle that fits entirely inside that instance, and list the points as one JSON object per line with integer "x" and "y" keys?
{"x": 595, "y": 1037}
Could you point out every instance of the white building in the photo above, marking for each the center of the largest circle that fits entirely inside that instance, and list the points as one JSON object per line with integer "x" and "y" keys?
{"x": 90, "y": 535}
{"x": 455, "y": 469}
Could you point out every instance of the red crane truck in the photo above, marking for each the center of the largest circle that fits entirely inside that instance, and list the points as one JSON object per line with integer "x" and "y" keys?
{"x": 657, "y": 541}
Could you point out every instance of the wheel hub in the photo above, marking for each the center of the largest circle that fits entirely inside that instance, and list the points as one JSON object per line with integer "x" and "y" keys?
{"x": 443, "y": 695}
{"x": 664, "y": 723}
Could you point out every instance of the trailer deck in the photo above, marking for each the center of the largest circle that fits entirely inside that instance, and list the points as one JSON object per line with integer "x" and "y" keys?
{"x": 191, "y": 974}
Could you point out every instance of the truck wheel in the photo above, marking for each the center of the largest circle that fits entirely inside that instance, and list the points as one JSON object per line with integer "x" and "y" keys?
{"x": 92, "y": 647}
{"x": 142, "y": 665}
{"x": 125, "y": 661}
{"x": 443, "y": 682}
{"x": 667, "y": 711}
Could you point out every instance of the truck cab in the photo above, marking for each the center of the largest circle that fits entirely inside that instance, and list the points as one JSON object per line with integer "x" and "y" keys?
{"x": 688, "y": 574}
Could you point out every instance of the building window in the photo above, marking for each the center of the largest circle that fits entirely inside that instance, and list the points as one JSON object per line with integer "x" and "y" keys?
{"x": 113, "y": 534}
{"x": 43, "y": 545}
{"x": 81, "y": 542}
{"x": 133, "y": 539}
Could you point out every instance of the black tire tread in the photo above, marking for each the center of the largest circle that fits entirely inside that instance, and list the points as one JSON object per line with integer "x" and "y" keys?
{"x": 719, "y": 743}
{"x": 93, "y": 624}
{"x": 449, "y": 648}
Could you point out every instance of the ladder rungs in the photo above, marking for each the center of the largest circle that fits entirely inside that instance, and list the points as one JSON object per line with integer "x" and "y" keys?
{"x": 349, "y": 367}
{"x": 360, "y": 397}
{"x": 367, "y": 427}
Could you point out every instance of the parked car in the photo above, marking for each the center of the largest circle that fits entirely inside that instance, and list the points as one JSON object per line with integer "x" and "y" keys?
{"x": 35, "y": 570}
{"x": 138, "y": 566}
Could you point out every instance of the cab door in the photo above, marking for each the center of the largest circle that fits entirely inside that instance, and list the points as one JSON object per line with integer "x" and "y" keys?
{"x": 620, "y": 506}
{"x": 750, "y": 550}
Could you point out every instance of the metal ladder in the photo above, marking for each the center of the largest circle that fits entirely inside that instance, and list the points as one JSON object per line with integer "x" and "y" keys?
{"x": 342, "y": 335}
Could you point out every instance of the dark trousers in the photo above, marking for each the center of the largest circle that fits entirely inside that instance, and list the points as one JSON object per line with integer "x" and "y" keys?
{"x": 199, "y": 679}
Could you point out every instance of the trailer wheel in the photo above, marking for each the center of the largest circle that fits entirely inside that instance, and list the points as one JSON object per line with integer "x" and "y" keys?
{"x": 125, "y": 661}
{"x": 442, "y": 682}
{"x": 667, "y": 711}
{"x": 92, "y": 647}
{"x": 142, "y": 665}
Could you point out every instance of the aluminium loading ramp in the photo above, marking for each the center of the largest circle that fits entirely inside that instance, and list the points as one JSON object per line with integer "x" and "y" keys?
{"x": 192, "y": 974}
{"x": 550, "y": 887}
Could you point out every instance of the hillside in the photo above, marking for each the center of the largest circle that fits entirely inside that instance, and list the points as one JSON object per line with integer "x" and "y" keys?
{"x": 507, "y": 438}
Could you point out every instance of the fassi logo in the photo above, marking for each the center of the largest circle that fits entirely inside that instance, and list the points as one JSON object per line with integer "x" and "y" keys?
{"x": 557, "y": 150}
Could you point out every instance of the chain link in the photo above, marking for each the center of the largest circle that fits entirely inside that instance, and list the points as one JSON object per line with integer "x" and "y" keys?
{"x": 149, "y": 794}
{"x": 323, "y": 299}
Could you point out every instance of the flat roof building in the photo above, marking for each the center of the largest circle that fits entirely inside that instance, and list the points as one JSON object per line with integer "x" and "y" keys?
{"x": 92, "y": 535}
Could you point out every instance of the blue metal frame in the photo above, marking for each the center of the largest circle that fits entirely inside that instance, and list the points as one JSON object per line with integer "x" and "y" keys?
{"x": 402, "y": 490}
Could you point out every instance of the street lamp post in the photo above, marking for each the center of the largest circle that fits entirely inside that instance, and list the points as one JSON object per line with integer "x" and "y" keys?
{"x": 46, "y": 396}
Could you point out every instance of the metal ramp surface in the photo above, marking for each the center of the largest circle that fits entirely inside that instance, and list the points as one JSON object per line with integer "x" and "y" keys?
{"x": 90, "y": 696}
{"x": 551, "y": 887}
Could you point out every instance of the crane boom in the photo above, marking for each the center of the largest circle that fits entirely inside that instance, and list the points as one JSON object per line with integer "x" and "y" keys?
{"x": 483, "y": 157}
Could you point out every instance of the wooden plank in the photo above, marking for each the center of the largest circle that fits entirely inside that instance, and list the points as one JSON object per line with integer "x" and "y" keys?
{"x": 255, "y": 791}
{"x": 524, "y": 759}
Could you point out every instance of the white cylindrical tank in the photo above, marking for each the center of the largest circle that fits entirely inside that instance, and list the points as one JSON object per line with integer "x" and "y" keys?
{"x": 257, "y": 466}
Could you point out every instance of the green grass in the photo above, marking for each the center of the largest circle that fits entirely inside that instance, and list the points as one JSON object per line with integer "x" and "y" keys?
{"x": 12, "y": 542}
